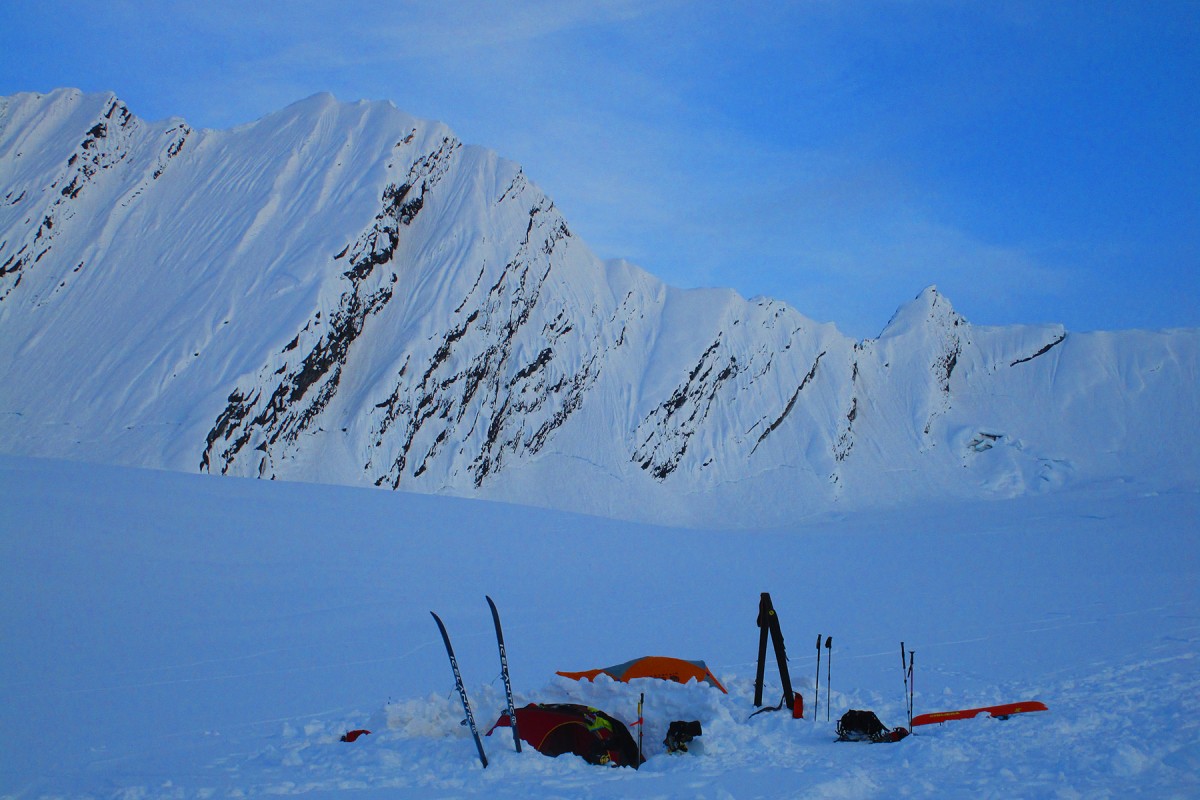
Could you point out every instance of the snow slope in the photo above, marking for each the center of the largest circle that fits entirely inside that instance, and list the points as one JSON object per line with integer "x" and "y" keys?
{"x": 182, "y": 636}
{"x": 342, "y": 293}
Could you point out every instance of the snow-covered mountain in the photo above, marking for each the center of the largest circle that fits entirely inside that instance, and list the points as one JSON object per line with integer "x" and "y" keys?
{"x": 342, "y": 293}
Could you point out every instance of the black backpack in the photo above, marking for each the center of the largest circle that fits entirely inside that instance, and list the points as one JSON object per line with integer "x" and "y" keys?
{"x": 679, "y": 734}
{"x": 864, "y": 726}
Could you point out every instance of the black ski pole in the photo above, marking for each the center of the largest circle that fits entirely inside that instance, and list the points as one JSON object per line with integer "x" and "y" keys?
{"x": 904, "y": 672}
{"x": 828, "y": 674}
{"x": 641, "y": 723}
{"x": 817, "y": 689}
{"x": 912, "y": 657}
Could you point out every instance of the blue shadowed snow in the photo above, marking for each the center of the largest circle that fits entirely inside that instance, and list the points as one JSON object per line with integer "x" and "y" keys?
{"x": 173, "y": 635}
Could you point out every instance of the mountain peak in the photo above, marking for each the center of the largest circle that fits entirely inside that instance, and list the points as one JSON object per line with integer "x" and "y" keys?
{"x": 343, "y": 293}
{"x": 928, "y": 309}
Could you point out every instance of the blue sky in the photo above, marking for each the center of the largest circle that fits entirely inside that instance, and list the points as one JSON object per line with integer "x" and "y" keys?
{"x": 1037, "y": 161}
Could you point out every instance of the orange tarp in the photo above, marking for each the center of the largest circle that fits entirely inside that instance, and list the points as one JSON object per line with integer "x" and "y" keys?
{"x": 662, "y": 667}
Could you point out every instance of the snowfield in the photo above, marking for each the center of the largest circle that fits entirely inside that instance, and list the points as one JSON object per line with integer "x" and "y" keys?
{"x": 181, "y": 636}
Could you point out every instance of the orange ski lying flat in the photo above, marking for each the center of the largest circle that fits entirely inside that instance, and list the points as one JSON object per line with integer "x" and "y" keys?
{"x": 996, "y": 711}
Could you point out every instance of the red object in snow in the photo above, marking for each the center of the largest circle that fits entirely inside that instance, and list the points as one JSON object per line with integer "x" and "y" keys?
{"x": 350, "y": 736}
{"x": 557, "y": 728}
{"x": 1004, "y": 710}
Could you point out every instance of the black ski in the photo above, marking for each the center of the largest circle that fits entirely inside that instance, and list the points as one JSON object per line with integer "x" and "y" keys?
{"x": 768, "y": 627}
{"x": 462, "y": 690}
{"x": 508, "y": 694}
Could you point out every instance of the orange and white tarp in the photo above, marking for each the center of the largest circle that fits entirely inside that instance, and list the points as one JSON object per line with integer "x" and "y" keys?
{"x": 662, "y": 667}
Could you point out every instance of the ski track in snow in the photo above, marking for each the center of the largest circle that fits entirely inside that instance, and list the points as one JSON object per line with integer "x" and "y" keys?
{"x": 189, "y": 637}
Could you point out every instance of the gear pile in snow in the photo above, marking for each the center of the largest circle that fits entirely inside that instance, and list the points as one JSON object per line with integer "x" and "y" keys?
{"x": 864, "y": 726}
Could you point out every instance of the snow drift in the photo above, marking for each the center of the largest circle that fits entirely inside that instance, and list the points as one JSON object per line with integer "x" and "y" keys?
{"x": 342, "y": 293}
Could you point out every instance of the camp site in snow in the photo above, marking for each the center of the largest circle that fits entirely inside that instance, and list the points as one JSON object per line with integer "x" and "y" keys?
{"x": 208, "y": 675}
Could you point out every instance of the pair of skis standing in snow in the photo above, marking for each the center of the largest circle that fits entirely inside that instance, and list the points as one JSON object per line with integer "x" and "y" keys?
{"x": 462, "y": 690}
{"x": 768, "y": 628}
{"x": 555, "y": 728}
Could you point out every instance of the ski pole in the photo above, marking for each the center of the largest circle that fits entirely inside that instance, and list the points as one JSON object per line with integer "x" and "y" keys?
{"x": 828, "y": 674}
{"x": 912, "y": 658}
{"x": 904, "y": 672}
{"x": 641, "y": 723}
{"x": 817, "y": 689}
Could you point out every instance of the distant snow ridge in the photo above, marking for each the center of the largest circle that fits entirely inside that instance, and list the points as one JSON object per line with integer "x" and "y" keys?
{"x": 342, "y": 293}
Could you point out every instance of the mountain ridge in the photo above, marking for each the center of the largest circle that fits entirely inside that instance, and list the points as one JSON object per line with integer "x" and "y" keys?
{"x": 340, "y": 292}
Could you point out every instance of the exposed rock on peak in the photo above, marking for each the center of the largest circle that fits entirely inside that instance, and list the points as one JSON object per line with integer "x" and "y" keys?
{"x": 340, "y": 292}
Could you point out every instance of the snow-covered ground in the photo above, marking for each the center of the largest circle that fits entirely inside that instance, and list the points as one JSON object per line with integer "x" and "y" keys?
{"x": 169, "y": 635}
